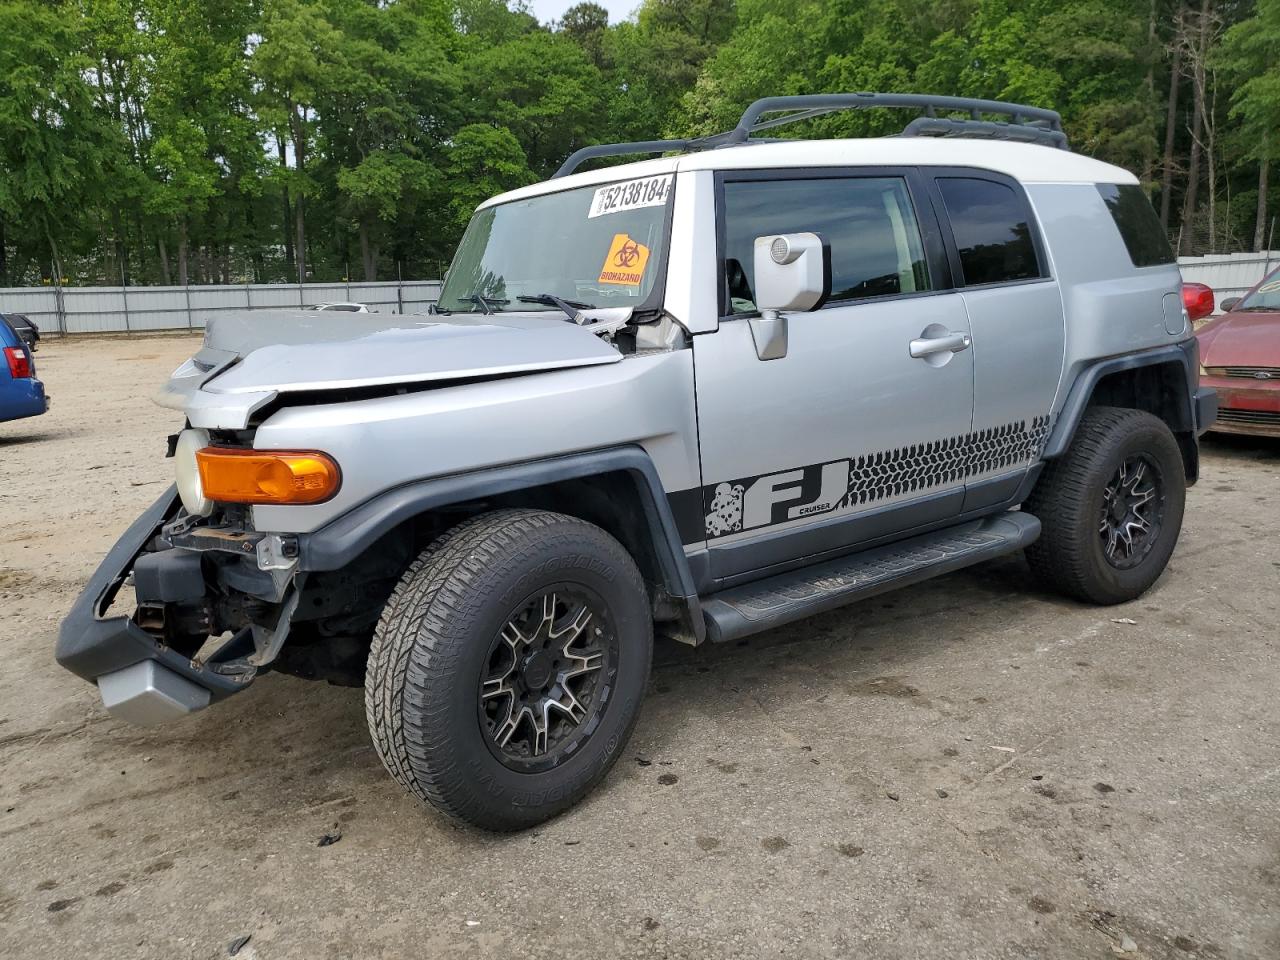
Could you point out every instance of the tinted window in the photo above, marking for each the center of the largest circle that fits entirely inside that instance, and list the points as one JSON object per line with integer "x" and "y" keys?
{"x": 989, "y": 222}
{"x": 1139, "y": 226}
{"x": 868, "y": 222}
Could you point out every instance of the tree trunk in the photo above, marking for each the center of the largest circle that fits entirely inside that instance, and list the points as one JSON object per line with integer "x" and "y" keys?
{"x": 1170, "y": 130}
{"x": 300, "y": 165}
{"x": 288, "y": 213}
{"x": 1148, "y": 151}
{"x": 368, "y": 253}
{"x": 184, "y": 277}
{"x": 4, "y": 256}
{"x": 1260, "y": 228}
{"x": 1197, "y": 119}
{"x": 165, "y": 276}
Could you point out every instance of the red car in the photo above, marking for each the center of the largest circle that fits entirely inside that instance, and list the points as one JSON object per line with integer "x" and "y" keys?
{"x": 1240, "y": 358}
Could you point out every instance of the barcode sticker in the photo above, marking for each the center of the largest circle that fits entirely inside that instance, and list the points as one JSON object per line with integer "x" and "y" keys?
{"x": 630, "y": 195}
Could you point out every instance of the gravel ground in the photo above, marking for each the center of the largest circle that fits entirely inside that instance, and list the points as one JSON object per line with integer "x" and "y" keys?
{"x": 968, "y": 768}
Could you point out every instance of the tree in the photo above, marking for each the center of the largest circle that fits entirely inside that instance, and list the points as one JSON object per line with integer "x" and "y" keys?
{"x": 543, "y": 89}
{"x": 1250, "y": 56}
{"x": 292, "y": 63}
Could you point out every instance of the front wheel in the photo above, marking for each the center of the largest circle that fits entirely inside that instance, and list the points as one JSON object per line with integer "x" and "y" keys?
{"x": 1111, "y": 507}
{"x": 507, "y": 670}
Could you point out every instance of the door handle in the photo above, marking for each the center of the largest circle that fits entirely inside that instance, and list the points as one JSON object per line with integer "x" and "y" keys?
{"x": 950, "y": 343}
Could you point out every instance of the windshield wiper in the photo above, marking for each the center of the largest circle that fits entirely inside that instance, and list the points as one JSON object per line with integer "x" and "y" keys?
{"x": 571, "y": 308}
{"x": 483, "y": 302}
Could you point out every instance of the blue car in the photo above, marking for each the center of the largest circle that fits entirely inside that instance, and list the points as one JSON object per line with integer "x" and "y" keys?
{"x": 21, "y": 394}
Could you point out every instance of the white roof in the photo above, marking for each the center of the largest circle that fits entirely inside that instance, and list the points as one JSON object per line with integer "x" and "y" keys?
{"x": 1025, "y": 162}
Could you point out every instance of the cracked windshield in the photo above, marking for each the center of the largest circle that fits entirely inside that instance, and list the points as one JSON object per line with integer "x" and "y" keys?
{"x": 597, "y": 246}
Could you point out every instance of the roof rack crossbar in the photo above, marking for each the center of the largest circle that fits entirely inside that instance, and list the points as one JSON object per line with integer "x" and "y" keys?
{"x": 986, "y": 130}
{"x": 1026, "y": 124}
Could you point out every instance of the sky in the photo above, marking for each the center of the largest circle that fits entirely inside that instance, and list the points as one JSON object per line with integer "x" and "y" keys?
{"x": 546, "y": 10}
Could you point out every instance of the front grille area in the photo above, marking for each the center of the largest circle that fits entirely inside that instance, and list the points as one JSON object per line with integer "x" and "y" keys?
{"x": 1246, "y": 373}
{"x": 1259, "y": 418}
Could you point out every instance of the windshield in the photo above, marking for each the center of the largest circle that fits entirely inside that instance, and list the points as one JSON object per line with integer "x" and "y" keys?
{"x": 598, "y": 246}
{"x": 1266, "y": 297}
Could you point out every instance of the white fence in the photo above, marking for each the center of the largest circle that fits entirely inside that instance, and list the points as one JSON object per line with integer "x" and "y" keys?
{"x": 140, "y": 309}
{"x": 1230, "y": 274}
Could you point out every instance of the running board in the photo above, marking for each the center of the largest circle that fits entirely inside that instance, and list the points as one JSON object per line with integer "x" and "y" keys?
{"x": 792, "y": 596}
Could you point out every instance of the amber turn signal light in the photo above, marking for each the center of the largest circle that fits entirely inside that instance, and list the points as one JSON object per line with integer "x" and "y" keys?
{"x": 233, "y": 475}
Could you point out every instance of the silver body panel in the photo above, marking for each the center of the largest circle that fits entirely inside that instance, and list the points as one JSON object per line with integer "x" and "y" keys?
{"x": 148, "y": 695}
{"x": 847, "y": 423}
{"x": 385, "y": 442}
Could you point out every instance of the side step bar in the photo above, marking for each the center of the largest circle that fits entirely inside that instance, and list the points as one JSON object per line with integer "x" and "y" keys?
{"x": 787, "y": 597}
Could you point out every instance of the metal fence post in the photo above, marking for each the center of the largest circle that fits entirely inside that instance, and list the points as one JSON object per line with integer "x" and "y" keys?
{"x": 186, "y": 289}
{"x": 59, "y": 301}
{"x": 124, "y": 296}
{"x": 399, "y": 290}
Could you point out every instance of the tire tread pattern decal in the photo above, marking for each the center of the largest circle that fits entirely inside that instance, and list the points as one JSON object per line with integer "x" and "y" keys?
{"x": 879, "y": 476}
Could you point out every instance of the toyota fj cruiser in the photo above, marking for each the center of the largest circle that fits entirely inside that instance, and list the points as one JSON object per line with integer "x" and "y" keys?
{"x": 704, "y": 395}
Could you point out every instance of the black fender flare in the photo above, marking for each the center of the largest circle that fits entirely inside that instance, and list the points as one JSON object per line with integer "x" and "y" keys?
{"x": 340, "y": 541}
{"x": 1195, "y": 411}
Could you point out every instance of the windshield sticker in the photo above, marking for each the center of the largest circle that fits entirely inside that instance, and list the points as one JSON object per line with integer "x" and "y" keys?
{"x": 625, "y": 262}
{"x": 631, "y": 195}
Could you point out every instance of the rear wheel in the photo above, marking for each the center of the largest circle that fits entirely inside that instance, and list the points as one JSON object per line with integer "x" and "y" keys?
{"x": 1111, "y": 507}
{"x": 507, "y": 669}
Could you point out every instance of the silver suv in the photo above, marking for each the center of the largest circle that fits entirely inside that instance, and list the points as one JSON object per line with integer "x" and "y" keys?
{"x": 700, "y": 395}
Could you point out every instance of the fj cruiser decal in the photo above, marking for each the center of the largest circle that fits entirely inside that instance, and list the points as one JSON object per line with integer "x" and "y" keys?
{"x": 625, "y": 261}
{"x": 821, "y": 488}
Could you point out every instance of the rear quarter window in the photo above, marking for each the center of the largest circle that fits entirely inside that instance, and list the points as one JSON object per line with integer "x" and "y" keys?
{"x": 992, "y": 230}
{"x": 1139, "y": 226}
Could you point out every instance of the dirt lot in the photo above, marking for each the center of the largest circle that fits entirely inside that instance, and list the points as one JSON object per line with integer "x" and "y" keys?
{"x": 969, "y": 768}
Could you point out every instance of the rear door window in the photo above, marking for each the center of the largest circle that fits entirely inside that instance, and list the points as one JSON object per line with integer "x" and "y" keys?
{"x": 992, "y": 229}
{"x": 1139, "y": 226}
{"x": 869, "y": 223}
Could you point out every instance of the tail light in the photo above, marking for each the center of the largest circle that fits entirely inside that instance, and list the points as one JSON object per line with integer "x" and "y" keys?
{"x": 1198, "y": 299}
{"x": 235, "y": 475}
{"x": 19, "y": 362}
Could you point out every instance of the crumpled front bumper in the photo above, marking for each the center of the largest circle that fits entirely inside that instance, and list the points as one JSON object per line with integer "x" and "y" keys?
{"x": 140, "y": 679}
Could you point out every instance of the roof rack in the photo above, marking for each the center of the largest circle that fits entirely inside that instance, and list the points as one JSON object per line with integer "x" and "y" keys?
{"x": 1025, "y": 124}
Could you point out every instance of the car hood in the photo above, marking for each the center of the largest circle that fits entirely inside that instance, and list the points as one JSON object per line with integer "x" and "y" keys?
{"x": 1241, "y": 340}
{"x": 248, "y": 358}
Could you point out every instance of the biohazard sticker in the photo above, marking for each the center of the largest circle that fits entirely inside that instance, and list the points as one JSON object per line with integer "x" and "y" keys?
{"x": 629, "y": 195}
{"x": 624, "y": 265}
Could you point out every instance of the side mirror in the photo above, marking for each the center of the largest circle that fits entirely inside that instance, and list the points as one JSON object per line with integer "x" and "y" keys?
{"x": 1230, "y": 303}
{"x": 792, "y": 272}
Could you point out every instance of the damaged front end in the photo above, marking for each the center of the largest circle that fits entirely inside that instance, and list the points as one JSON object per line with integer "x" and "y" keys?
{"x": 216, "y": 603}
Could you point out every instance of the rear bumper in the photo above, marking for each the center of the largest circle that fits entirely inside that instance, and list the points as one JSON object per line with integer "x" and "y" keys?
{"x": 22, "y": 398}
{"x": 140, "y": 679}
{"x": 1206, "y": 400}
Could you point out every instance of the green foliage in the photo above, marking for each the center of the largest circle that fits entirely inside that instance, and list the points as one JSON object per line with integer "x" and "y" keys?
{"x": 231, "y": 137}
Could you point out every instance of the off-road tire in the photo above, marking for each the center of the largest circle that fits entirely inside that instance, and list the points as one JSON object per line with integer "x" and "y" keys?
{"x": 1070, "y": 557}
{"x": 432, "y": 643}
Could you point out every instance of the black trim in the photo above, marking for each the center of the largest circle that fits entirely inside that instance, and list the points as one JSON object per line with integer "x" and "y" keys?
{"x": 787, "y": 549}
{"x": 993, "y": 490}
{"x": 1206, "y": 403}
{"x": 686, "y": 508}
{"x": 90, "y": 647}
{"x": 788, "y": 597}
{"x": 1185, "y": 354}
{"x": 337, "y": 543}
{"x": 926, "y": 214}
